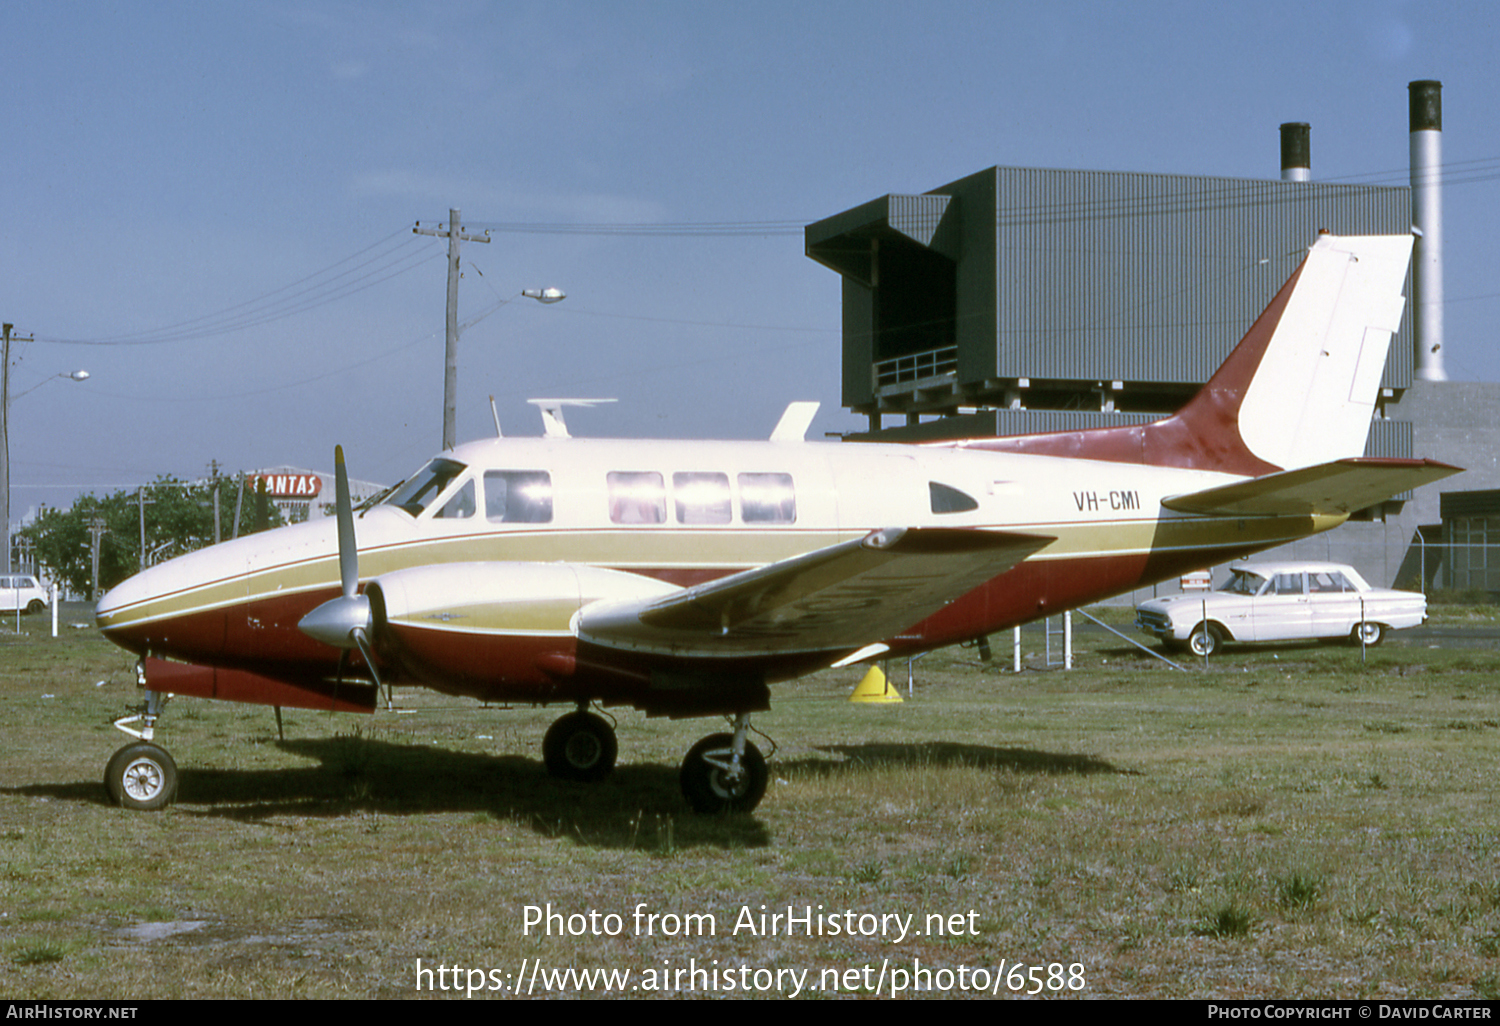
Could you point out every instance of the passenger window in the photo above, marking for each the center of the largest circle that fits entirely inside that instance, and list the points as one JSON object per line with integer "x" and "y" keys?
{"x": 461, "y": 505}
{"x": 767, "y": 499}
{"x": 637, "y": 498}
{"x": 518, "y": 496}
{"x": 949, "y": 500}
{"x": 701, "y": 497}
{"x": 1289, "y": 584}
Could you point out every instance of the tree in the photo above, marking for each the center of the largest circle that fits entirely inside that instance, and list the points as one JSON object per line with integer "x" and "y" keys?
{"x": 179, "y": 517}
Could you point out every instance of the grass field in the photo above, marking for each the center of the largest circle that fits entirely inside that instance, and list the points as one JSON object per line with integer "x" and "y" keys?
{"x": 1286, "y": 823}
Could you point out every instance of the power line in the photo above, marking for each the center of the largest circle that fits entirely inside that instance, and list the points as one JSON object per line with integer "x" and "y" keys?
{"x": 320, "y": 288}
{"x": 663, "y": 228}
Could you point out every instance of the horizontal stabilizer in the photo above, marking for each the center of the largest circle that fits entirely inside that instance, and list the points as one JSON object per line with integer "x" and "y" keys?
{"x": 842, "y": 597}
{"x": 1338, "y": 488}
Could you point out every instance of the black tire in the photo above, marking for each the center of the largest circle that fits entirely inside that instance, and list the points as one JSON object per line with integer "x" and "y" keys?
{"x": 142, "y": 777}
{"x": 707, "y": 787}
{"x": 580, "y": 746}
{"x": 35, "y": 606}
{"x": 1206, "y": 639}
{"x": 1369, "y": 632}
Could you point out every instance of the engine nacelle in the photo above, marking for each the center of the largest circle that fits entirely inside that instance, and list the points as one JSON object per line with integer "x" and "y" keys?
{"x": 451, "y": 623}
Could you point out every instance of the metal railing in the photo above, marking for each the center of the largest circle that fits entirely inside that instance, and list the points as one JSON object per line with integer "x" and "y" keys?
{"x": 933, "y": 363}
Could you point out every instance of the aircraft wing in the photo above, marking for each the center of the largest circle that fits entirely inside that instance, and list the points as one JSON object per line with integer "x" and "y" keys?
{"x": 1340, "y": 487}
{"x": 842, "y": 597}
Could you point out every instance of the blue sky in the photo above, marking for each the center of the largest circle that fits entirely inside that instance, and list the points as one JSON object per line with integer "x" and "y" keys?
{"x": 176, "y": 169}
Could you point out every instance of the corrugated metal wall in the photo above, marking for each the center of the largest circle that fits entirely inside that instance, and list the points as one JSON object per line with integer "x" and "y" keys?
{"x": 1140, "y": 277}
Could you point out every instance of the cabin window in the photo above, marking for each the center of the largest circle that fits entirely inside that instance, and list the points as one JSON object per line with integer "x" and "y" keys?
{"x": 518, "y": 496}
{"x": 461, "y": 505}
{"x": 637, "y": 497}
{"x": 949, "y": 500}
{"x": 767, "y": 499}
{"x": 426, "y": 485}
{"x": 701, "y": 497}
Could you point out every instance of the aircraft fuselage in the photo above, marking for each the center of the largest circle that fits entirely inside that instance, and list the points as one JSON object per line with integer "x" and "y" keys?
{"x": 525, "y": 512}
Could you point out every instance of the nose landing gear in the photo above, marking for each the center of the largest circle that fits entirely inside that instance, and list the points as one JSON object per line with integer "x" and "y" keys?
{"x": 142, "y": 776}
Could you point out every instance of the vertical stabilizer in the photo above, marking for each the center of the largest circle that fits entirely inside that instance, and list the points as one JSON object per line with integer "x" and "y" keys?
{"x": 1313, "y": 392}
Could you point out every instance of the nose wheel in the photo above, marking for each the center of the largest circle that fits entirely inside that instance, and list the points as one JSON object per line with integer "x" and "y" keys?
{"x": 142, "y": 776}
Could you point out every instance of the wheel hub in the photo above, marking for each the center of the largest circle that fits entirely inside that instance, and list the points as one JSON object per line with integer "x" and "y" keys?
{"x": 142, "y": 780}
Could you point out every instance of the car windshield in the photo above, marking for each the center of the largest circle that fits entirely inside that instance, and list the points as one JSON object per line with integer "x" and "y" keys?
{"x": 1243, "y": 582}
{"x": 425, "y": 485}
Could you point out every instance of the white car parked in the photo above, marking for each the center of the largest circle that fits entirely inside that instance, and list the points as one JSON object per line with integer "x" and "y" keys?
{"x": 1281, "y": 602}
{"x": 23, "y": 593}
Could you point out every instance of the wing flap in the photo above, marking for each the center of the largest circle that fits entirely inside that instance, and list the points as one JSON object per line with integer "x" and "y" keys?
{"x": 1339, "y": 487}
{"x": 838, "y": 598}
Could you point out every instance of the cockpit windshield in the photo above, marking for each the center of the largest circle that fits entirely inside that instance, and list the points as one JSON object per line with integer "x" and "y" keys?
{"x": 1244, "y": 583}
{"x": 419, "y": 491}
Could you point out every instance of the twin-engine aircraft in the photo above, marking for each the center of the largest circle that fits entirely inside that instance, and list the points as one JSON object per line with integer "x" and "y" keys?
{"x": 683, "y": 578}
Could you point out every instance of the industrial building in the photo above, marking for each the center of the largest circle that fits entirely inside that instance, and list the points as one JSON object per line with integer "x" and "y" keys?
{"x": 1020, "y": 300}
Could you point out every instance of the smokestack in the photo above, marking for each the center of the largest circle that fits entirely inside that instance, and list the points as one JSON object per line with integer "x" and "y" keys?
{"x": 1296, "y": 152}
{"x": 1427, "y": 221}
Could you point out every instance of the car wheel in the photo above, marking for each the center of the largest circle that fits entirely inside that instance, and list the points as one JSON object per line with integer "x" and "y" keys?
{"x": 35, "y": 606}
{"x": 1368, "y": 634}
{"x": 1205, "y": 639}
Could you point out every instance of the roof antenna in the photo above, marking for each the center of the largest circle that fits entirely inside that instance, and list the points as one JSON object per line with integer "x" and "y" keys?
{"x": 496, "y": 414}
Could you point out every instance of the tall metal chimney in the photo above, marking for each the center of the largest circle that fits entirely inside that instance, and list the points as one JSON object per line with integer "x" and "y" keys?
{"x": 1427, "y": 221}
{"x": 1296, "y": 152}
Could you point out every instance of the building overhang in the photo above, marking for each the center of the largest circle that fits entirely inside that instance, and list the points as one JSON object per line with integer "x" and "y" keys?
{"x": 849, "y": 243}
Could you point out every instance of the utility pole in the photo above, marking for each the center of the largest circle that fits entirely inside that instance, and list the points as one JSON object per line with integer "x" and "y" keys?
{"x": 455, "y": 234}
{"x": 140, "y": 495}
{"x": 5, "y": 447}
{"x": 213, "y": 470}
{"x": 97, "y": 529}
{"x": 5, "y": 566}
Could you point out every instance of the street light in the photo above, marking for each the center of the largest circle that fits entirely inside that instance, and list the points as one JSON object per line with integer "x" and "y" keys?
{"x": 545, "y": 295}
{"x": 5, "y": 397}
{"x": 455, "y": 235}
{"x": 78, "y": 375}
{"x": 450, "y": 376}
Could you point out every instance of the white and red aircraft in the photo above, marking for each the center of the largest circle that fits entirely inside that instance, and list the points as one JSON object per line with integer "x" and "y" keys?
{"x": 682, "y": 578}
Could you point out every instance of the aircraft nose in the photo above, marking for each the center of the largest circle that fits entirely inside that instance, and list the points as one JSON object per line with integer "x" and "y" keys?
{"x": 175, "y": 608}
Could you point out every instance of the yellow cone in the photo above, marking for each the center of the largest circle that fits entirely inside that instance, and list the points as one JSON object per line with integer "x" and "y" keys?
{"x": 875, "y": 688}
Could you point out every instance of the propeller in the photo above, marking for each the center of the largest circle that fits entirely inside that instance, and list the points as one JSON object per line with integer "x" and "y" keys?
{"x": 345, "y": 622}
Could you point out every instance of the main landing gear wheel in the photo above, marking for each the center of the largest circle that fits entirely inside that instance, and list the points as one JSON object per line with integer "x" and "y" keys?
{"x": 1368, "y": 634}
{"x": 141, "y": 776}
{"x": 710, "y": 783}
{"x": 580, "y": 746}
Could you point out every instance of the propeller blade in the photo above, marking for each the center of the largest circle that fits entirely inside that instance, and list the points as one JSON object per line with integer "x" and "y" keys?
{"x": 362, "y": 642}
{"x": 348, "y": 550}
{"x": 336, "y": 621}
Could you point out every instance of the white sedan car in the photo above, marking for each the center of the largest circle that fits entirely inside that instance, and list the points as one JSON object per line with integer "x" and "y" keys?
{"x": 21, "y": 593}
{"x": 1281, "y": 602}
